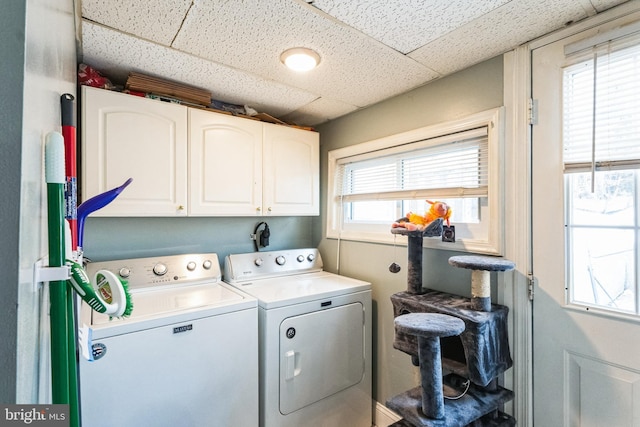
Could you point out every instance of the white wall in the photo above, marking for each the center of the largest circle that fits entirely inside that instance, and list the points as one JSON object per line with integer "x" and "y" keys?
{"x": 49, "y": 71}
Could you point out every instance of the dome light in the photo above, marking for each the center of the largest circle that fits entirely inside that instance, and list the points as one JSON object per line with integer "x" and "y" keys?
{"x": 300, "y": 59}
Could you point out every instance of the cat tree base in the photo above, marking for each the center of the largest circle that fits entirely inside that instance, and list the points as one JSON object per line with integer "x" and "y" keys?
{"x": 477, "y": 408}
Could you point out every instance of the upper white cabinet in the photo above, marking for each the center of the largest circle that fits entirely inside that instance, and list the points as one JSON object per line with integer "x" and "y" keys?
{"x": 187, "y": 161}
{"x": 240, "y": 166}
{"x": 125, "y": 136}
{"x": 225, "y": 165}
{"x": 290, "y": 171}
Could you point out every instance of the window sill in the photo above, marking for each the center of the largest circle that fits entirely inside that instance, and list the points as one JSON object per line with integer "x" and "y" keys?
{"x": 460, "y": 245}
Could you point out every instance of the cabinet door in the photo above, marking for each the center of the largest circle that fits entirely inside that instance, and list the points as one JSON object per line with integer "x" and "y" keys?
{"x": 225, "y": 165}
{"x": 125, "y": 136}
{"x": 291, "y": 171}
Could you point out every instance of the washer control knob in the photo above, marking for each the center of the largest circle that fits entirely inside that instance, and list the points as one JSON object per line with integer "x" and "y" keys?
{"x": 207, "y": 264}
{"x": 160, "y": 269}
{"x": 258, "y": 262}
{"x": 280, "y": 260}
{"x": 311, "y": 257}
{"x": 191, "y": 266}
{"x": 124, "y": 272}
{"x": 300, "y": 258}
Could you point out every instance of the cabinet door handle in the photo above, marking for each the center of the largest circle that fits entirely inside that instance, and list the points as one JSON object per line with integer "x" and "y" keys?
{"x": 258, "y": 209}
{"x": 269, "y": 209}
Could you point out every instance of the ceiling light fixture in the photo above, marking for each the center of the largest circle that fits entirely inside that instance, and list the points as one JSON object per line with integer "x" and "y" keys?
{"x": 300, "y": 59}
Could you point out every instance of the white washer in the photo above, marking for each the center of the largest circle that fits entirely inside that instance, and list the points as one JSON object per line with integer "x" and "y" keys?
{"x": 315, "y": 339}
{"x": 187, "y": 356}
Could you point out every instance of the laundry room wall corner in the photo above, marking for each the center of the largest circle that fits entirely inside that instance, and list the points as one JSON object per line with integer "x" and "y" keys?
{"x": 475, "y": 89}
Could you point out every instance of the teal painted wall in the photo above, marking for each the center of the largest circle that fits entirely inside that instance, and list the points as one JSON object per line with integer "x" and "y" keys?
{"x": 120, "y": 238}
{"x": 12, "y": 21}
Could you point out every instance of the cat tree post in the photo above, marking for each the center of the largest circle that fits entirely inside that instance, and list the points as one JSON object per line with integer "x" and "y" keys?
{"x": 414, "y": 266}
{"x": 414, "y": 249}
{"x": 480, "y": 267}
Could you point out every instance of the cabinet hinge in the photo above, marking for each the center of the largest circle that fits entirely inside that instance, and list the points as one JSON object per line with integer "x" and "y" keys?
{"x": 533, "y": 111}
{"x": 531, "y": 283}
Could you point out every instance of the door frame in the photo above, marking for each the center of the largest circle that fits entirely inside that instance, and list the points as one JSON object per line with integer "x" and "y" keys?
{"x": 520, "y": 112}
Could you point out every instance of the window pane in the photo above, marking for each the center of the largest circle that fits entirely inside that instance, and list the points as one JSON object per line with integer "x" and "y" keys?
{"x": 611, "y": 203}
{"x": 603, "y": 267}
{"x": 379, "y": 211}
{"x": 602, "y": 229}
{"x": 617, "y": 113}
{"x": 371, "y": 178}
{"x": 455, "y": 166}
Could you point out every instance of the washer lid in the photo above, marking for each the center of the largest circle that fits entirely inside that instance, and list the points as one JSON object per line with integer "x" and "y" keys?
{"x": 170, "y": 300}
{"x": 281, "y": 291}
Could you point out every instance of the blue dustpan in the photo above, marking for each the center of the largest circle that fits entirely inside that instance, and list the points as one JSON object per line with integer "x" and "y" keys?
{"x": 95, "y": 203}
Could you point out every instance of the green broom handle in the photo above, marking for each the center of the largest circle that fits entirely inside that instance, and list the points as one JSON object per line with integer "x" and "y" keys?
{"x": 74, "y": 399}
{"x": 54, "y": 172}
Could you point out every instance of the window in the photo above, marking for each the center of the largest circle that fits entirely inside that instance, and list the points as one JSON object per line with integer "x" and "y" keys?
{"x": 601, "y": 139}
{"x": 373, "y": 184}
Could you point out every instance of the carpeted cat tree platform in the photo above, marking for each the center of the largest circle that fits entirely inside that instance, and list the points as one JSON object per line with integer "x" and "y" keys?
{"x": 461, "y": 345}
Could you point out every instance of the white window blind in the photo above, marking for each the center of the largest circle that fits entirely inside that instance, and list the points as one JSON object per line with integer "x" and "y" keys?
{"x": 601, "y": 126}
{"x": 455, "y": 165}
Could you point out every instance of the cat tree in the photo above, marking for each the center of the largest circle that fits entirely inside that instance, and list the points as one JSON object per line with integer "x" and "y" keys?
{"x": 461, "y": 344}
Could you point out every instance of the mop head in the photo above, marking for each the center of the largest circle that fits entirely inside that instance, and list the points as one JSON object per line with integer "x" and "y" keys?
{"x": 106, "y": 294}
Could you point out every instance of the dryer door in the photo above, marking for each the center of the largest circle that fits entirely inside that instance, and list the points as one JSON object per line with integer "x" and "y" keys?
{"x": 321, "y": 353}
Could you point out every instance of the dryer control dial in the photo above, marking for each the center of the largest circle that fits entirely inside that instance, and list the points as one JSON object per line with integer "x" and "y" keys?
{"x": 191, "y": 266}
{"x": 300, "y": 258}
{"x": 311, "y": 257}
{"x": 124, "y": 272}
{"x": 160, "y": 269}
{"x": 258, "y": 262}
{"x": 207, "y": 264}
{"x": 280, "y": 260}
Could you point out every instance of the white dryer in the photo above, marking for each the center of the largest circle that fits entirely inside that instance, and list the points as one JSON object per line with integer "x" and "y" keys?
{"x": 315, "y": 339}
{"x": 187, "y": 356}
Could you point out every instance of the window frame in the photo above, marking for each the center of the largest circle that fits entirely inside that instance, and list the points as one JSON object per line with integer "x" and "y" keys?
{"x": 493, "y": 244}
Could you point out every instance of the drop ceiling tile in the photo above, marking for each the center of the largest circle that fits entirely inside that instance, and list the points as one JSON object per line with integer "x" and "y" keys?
{"x": 354, "y": 68}
{"x": 405, "y": 25}
{"x": 515, "y": 23}
{"x": 319, "y": 111}
{"x": 156, "y": 20}
{"x": 602, "y": 5}
{"x": 112, "y": 53}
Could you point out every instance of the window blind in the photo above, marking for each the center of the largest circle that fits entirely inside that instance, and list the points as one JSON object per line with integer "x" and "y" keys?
{"x": 455, "y": 165}
{"x": 601, "y": 107}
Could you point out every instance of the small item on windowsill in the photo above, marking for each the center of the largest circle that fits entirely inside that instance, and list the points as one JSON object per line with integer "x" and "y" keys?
{"x": 449, "y": 234}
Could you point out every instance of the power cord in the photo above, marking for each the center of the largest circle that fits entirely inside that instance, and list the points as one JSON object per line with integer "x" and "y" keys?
{"x": 466, "y": 386}
{"x": 263, "y": 238}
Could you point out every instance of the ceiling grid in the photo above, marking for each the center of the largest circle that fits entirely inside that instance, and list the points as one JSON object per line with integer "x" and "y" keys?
{"x": 370, "y": 50}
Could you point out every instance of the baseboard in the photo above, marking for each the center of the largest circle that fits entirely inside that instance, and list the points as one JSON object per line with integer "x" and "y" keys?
{"x": 384, "y": 417}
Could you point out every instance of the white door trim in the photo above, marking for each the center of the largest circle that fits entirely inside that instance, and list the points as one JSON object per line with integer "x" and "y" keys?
{"x": 514, "y": 292}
